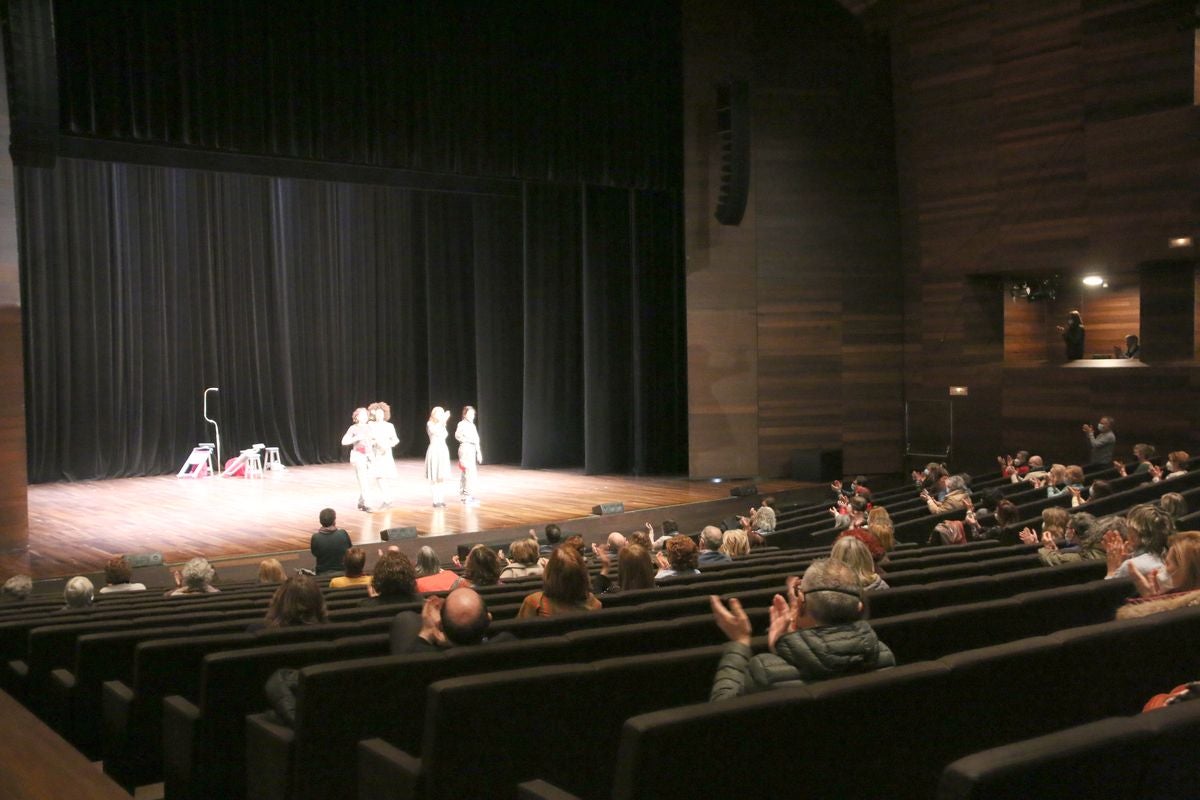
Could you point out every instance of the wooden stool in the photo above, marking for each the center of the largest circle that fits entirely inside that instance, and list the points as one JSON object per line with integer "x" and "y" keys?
{"x": 254, "y": 466}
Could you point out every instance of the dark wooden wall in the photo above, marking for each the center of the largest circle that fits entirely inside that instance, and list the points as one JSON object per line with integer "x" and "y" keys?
{"x": 1039, "y": 137}
{"x": 794, "y": 317}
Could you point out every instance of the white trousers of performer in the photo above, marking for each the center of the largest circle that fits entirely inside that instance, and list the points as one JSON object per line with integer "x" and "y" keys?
{"x": 439, "y": 492}
{"x": 468, "y": 470}
{"x": 366, "y": 484}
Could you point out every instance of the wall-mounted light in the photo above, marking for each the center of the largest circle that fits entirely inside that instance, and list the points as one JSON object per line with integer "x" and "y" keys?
{"x": 1180, "y": 241}
{"x": 1094, "y": 281}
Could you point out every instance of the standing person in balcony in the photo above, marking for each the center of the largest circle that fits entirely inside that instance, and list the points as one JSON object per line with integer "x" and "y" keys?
{"x": 1073, "y": 334}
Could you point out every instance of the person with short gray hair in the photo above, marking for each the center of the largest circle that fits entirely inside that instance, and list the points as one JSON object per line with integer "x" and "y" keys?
{"x": 78, "y": 594}
{"x": 818, "y": 634}
{"x": 956, "y": 497}
{"x": 711, "y": 539}
{"x": 196, "y": 577}
{"x": 16, "y": 588}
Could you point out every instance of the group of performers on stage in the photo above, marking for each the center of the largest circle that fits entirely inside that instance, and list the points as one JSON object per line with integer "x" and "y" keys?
{"x": 372, "y": 436}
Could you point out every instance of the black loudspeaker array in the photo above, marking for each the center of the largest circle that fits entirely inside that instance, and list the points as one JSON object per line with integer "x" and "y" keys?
{"x": 733, "y": 133}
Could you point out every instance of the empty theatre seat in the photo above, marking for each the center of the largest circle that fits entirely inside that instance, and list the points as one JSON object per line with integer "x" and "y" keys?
{"x": 1154, "y": 758}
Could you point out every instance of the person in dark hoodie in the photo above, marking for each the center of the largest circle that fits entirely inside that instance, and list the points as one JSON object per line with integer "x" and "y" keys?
{"x": 818, "y": 634}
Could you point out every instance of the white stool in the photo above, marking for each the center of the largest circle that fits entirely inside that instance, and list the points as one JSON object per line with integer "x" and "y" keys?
{"x": 254, "y": 466}
{"x": 272, "y": 461}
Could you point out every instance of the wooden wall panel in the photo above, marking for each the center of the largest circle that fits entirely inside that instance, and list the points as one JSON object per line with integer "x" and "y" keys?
{"x": 1040, "y": 137}
{"x": 14, "y": 512}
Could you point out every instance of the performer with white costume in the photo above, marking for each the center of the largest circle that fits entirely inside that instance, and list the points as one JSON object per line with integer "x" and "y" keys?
{"x": 470, "y": 456}
{"x": 358, "y": 438}
{"x": 437, "y": 457}
{"x": 383, "y": 463}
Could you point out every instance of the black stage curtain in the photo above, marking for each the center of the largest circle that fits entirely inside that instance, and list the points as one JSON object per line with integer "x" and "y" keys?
{"x": 557, "y": 311}
{"x": 537, "y": 89}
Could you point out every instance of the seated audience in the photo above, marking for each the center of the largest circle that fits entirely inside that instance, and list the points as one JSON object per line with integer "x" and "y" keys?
{"x": 1174, "y": 504}
{"x": 1006, "y": 513}
{"x": 879, "y": 525}
{"x": 956, "y": 496}
{"x": 430, "y": 575}
{"x": 118, "y": 577}
{"x": 565, "y": 587}
{"x": 1133, "y": 348}
{"x": 1035, "y": 470}
{"x": 297, "y": 601}
{"x": 642, "y": 537}
{"x": 394, "y": 581}
{"x": 948, "y": 531}
{"x": 761, "y": 519}
{"x": 1083, "y": 541}
{"x": 482, "y": 567}
{"x": 679, "y": 557}
{"x": 854, "y": 554}
{"x": 818, "y": 634}
{"x": 851, "y": 513}
{"x": 78, "y": 594}
{"x": 196, "y": 577}
{"x": 1017, "y": 465}
{"x": 930, "y": 479}
{"x": 553, "y": 540}
{"x": 1099, "y": 488}
{"x": 864, "y": 535}
{"x": 1149, "y": 528}
{"x": 711, "y": 539}
{"x": 1142, "y": 454}
{"x": 735, "y": 543}
{"x": 1176, "y": 466}
{"x": 269, "y": 571}
{"x": 329, "y": 545}
{"x": 1176, "y": 585}
{"x": 353, "y": 565}
{"x": 616, "y": 541}
{"x": 635, "y": 570}
{"x": 460, "y": 619}
{"x": 1054, "y": 525}
{"x": 16, "y": 589}
{"x": 523, "y": 561}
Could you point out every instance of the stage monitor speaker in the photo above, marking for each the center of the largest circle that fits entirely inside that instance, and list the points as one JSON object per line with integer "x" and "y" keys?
{"x": 396, "y": 534}
{"x": 137, "y": 560}
{"x": 733, "y": 133}
{"x": 608, "y": 508}
{"x": 816, "y": 465}
{"x": 744, "y": 491}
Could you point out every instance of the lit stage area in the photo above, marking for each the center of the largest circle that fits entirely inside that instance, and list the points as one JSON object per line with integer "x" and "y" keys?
{"x": 75, "y": 527}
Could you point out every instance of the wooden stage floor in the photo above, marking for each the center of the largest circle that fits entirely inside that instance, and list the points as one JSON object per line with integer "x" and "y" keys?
{"x": 76, "y": 527}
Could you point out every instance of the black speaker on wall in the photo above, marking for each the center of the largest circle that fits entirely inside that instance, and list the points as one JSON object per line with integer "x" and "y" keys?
{"x": 733, "y": 133}
{"x": 396, "y": 534}
{"x": 608, "y": 508}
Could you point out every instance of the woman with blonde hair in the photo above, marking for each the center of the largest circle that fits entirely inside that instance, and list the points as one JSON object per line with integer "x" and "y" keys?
{"x": 879, "y": 524}
{"x": 854, "y": 554}
{"x": 522, "y": 560}
{"x": 1176, "y": 585}
{"x": 735, "y": 543}
{"x": 271, "y": 571}
{"x": 437, "y": 455}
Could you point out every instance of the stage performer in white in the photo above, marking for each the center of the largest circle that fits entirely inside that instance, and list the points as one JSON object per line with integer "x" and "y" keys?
{"x": 358, "y": 438}
{"x": 437, "y": 457}
{"x": 383, "y": 463}
{"x": 470, "y": 455}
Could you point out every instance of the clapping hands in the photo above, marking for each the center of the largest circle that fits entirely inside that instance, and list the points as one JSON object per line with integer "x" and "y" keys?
{"x": 732, "y": 621}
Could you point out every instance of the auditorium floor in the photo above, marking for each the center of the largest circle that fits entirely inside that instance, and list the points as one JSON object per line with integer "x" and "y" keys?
{"x": 76, "y": 527}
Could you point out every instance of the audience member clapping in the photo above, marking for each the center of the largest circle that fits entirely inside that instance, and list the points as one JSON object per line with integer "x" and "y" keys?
{"x": 879, "y": 525}
{"x": 635, "y": 570}
{"x": 1083, "y": 539}
{"x": 1149, "y": 528}
{"x": 818, "y": 634}
{"x": 118, "y": 577}
{"x": 1174, "y": 504}
{"x": 196, "y": 577}
{"x": 956, "y": 496}
{"x": 679, "y": 557}
{"x": 854, "y": 554}
{"x": 523, "y": 560}
{"x": 430, "y": 575}
{"x": 1175, "y": 585}
{"x": 461, "y": 619}
{"x": 565, "y": 587}
{"x": 482, "y": 567}
{"x": 1175, "y": 467}
{"x": 553, "y": 540}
